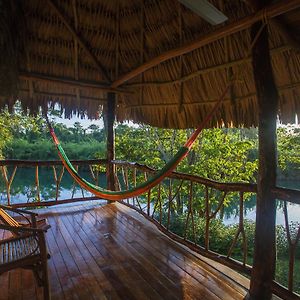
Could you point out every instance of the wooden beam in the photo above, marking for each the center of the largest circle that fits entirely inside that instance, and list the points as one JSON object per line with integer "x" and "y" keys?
{"x": 76, "y": 64}
{"x": 72, "y": 83}
{"x": 280, "y": 27}
{"x": 203, "y": 71}
{"x": 281, "y": 88}
{"x": 79, "y": 39}
{"x": 71, "y": 95}
{"x": 76, "y": 48}
{"x": 117, "y": 40}
{"x": 271, "y": 11}
{"x": 142, "y": 46}
{"x": 263, "y": 271}
{"x": 110, "y": 146}
{"x": 49, "y": 163}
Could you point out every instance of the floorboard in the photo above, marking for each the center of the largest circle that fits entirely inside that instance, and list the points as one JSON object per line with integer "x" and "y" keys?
{"x": 104, "y": 252}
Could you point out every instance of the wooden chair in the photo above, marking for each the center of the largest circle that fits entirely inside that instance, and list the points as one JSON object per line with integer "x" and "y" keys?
{"x": 24, "y": 218}
{"x": 25, "y": 249}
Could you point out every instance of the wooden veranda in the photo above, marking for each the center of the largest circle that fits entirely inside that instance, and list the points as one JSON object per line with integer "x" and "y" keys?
{"x": 160, "y": 63}
{"x": 135, "y": 213}
{"x": 108, "y": 251}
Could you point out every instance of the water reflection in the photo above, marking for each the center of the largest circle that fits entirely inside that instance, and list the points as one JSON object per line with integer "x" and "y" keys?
{"x": 23, "y": 190}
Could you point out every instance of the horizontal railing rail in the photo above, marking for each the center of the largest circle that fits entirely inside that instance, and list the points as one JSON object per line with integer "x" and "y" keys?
{"x": 30, "y": 163}
{"x": 285, "y": 194}
{"x": 186, "y": 207}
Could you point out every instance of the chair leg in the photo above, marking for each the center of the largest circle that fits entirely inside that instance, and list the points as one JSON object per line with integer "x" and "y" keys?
{"x": 46, "y": 285}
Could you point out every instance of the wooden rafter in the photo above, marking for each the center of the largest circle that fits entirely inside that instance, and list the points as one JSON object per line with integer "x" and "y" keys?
{"x": 279, "y": 26}
{"x": 78, "y": 38}
{"x": 72, "y": 83}
{"x": 76, "y": 49}
{"x": 142, "y": 45}
{"x": 203, "y": 71}
{"x": 180, "y": 29}
{"x": 76, "y": 63}
{"x": 117, "y": 40}
{"x": 281, "y": 88}
{"x": 68, "y": 95}
{"x": 271, "y": 11}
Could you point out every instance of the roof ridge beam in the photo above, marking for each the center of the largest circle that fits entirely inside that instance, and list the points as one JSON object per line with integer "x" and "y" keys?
{"x": 78, "y": 38}
{"x": 270, "y": 11}
{"x": 72, "y": 83}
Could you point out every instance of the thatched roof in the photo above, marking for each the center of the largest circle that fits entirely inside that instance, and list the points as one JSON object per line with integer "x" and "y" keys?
{"x": 75, "y": 51}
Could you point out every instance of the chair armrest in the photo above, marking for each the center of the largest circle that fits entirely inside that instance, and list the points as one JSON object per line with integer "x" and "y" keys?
{"x": 19, "y": 211}
{"x": 28, "y": 215}
{"x": 23, "y": 229}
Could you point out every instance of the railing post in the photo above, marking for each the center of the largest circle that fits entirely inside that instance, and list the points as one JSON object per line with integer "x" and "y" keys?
{"x": 207, "y": 219}
{"x": 267, "y": 97}
{"x": 110, "y": 171}
{"x": 37, "y": 184}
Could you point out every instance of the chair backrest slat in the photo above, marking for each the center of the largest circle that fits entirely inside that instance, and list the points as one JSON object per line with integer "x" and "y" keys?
{"x": 7, "y": 219}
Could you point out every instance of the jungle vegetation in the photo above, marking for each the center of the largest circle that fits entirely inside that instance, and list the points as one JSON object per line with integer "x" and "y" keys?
{"x": 223, "y": 154}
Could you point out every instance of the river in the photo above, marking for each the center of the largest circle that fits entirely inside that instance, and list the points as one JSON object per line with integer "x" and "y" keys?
{"x": 23, "y": 190}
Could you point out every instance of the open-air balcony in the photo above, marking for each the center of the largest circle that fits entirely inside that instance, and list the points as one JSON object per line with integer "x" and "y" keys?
{"x": 146, "y": 247}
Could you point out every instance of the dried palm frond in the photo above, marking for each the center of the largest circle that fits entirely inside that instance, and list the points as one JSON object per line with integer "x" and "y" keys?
{"x": 12, "y": 27}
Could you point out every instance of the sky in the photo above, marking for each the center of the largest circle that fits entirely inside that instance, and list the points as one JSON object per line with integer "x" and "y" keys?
{"x": 84, "y": 122}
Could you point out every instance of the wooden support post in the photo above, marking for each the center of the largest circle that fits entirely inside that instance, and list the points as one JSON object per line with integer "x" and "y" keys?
{"x": 110, "y": 171}
{"x": 267, "y": 96}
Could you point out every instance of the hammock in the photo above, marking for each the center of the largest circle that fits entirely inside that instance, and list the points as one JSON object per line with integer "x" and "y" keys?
{"x": 147, "y": 185}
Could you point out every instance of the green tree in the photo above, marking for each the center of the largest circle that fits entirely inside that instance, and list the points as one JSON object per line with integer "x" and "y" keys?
{"x": 218, "y": 154}
{"x": 16, "y": 125}
{"x": 5, "y": 134}
{"x": 96, "y": 132}
{"x": 289, "y": 150}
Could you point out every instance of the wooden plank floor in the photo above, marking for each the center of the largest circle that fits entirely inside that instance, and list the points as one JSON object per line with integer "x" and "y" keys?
{"x": 111, "y": 252}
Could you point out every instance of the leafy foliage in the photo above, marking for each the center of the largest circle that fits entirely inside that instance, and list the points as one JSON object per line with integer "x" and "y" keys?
{"x": 27, "y": 137}
{"x": 14, "y": 126}
{"x": 289, "y": 149}
{"x": 219, "y": 154}
{"x": 227, "y": 155}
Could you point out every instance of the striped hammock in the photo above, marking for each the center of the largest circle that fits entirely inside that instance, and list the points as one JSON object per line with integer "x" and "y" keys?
{"x": 147, "y": 185}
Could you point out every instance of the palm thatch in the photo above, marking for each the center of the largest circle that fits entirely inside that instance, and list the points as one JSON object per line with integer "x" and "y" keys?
{"x": 11, "y": 30}
{"x": 76, "y": 50}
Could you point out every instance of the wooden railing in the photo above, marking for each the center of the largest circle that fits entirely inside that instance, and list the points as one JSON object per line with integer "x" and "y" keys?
{"x": 55, "y": 175}
{"x": 204, "y": 200}
{"x": 185, "y": 207}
